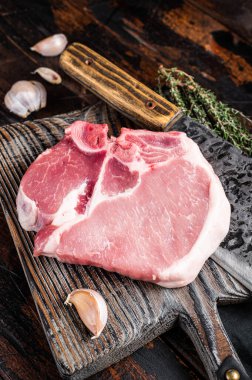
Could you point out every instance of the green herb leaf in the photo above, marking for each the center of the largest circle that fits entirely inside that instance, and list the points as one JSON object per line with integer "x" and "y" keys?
{"x": 202, "y": 105}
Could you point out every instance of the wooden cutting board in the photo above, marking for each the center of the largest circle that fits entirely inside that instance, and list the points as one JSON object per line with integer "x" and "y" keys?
{"x": 138, "y": 311}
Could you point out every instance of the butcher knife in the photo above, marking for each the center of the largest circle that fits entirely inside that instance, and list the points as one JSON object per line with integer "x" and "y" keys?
{"x": 151, "y": 111}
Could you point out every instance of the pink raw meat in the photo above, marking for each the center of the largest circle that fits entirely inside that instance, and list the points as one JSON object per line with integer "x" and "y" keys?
{"x": 146, "y": 204}
{"x": 62, "y": 176}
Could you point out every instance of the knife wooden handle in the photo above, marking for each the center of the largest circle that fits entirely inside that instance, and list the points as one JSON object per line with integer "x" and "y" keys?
{"x": 119, "y": 89}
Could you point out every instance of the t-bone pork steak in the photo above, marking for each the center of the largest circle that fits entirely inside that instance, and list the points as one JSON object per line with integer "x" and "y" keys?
{"x": 146, "y": 204}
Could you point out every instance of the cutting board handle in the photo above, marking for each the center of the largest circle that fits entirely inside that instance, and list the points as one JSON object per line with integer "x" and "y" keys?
{"x": 119, "y": 89}
{"x": 201, "y": 321}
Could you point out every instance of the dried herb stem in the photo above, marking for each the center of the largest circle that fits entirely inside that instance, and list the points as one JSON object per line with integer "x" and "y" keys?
{"x": 202, "y": 105}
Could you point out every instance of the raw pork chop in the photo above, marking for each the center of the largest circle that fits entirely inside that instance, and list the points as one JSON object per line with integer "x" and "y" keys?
{"x": 146, "y": 204}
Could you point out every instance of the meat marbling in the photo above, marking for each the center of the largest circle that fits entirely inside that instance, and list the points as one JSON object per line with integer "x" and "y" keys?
{"x": 146, "y": 204}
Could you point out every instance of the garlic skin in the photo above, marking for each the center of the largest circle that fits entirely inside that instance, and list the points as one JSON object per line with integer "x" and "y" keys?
{"x": 25, "y": 97}
{"x": 49, "y": 75}
{"x": 91, "y": 307}
{"x": 51, "y": 46}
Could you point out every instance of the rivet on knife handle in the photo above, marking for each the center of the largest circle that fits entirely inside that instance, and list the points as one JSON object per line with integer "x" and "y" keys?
{"x": 117, "y": 88}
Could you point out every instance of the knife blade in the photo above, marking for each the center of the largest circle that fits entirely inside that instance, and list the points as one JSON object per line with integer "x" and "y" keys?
{"x": 234, "y": 170}
{"x": 146, "y": 108}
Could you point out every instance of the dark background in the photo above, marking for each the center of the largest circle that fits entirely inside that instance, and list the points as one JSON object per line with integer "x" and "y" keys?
{"x": 210, "y": 39}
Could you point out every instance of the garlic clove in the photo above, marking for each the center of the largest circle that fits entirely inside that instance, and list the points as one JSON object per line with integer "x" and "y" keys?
{"x": 91, "y": 307}
{"x": 51, "y": 46}
{"x": 42, "y": 94}
{"x": 14, "y": 105}
{"x": 49, "y": 75}
{"x": 25, "y": 97}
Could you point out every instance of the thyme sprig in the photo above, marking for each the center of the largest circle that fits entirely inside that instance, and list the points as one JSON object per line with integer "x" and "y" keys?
{"x": 202, "y": 105}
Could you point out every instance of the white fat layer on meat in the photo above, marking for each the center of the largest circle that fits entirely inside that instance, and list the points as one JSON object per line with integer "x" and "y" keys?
{"x": 213, "y": 232}
{"x": 65, "y": 217}
{"x": 52, "y": 243}
{"x": 98, "y": 197}
{"x": 47, "y": 151}
{"x": 27, "y": 211}
{"x": 66, "y": 211}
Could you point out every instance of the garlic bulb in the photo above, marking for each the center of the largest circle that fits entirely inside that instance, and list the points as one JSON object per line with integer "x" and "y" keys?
{"x": 25, "y": 97}
{"x": 48, "y": 74}
{"x": 51, "y": 46}
{"x": 91, "y": 307}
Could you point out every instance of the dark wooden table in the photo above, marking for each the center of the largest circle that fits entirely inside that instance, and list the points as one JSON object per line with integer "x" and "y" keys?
{"x": 209, "y": 41}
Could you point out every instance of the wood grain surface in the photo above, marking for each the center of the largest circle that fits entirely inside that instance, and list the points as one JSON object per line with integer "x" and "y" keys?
{"x": 118, "y": 89}
{"x": 138, "y": 36}
{"x": 138, "y": 311}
